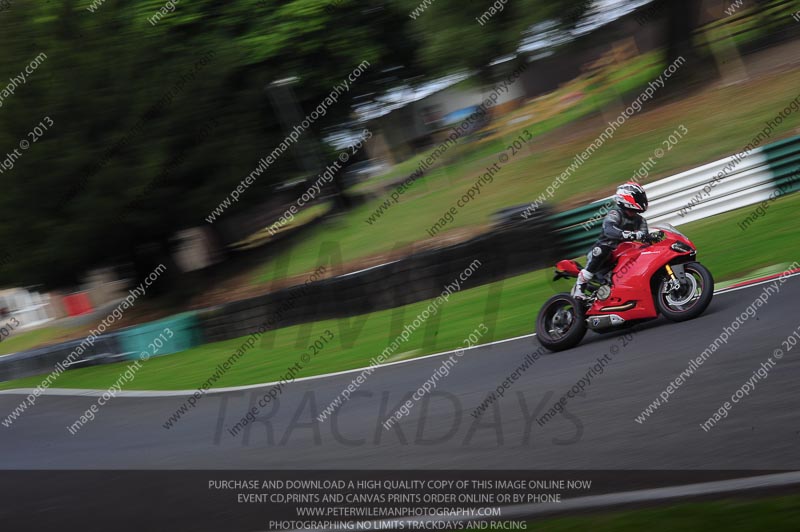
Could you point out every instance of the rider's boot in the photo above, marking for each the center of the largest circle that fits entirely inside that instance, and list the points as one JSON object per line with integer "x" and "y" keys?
{"x": 580, "y": 285}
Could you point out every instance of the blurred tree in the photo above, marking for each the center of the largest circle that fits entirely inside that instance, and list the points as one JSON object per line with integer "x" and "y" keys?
{"x": 455, "y": 35}
{"x": 682, "y": 19}
{"x": 126, "y": 163}
{"x": 157, "y": 117}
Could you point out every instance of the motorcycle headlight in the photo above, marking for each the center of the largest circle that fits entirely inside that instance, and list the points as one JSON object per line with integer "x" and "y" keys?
{"x": 680, "y": 247}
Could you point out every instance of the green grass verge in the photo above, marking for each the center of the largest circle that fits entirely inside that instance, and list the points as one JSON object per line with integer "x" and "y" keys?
{"x": 730, "y": 515}
{"x": 630, "y": 76}
{"x": 29, "y": 339}
{"x": 716, "y": 129}
{"x": 723, "y": 248}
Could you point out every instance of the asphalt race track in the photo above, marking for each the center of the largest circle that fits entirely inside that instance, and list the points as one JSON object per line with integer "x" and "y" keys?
{"x": 598, "y": 430}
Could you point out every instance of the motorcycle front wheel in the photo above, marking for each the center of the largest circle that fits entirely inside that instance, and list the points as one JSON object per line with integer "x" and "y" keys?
{"x": 691, "y": 298}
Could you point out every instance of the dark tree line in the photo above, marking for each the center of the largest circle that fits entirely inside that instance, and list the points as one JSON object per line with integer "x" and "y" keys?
{"x": 124, "y": 165}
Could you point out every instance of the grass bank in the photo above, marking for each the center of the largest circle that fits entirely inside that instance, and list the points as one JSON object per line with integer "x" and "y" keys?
{"x": 774, "y": 514}
{"x": 715, "y": 129}
{"x": 508, "y": 308}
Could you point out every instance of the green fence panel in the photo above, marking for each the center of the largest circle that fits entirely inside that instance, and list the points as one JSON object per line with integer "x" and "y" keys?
{"x": 784, "y": 161}
{"x": 575, "y": 238}
{"x": 152, "y": 337}
{"x": 577, "y": 216}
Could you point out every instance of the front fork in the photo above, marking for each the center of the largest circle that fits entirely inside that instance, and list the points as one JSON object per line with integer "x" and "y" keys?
{"x": 676, "y": 276}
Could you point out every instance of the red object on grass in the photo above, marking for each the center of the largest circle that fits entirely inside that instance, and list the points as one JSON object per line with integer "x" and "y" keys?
{"x": 77, "y": 304}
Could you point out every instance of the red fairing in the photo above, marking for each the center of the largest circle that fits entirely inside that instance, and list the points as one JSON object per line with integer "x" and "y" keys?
{"x": 636, "y": 265}
{"x": 640, "y": 281}
{"x": 569, "y": 267}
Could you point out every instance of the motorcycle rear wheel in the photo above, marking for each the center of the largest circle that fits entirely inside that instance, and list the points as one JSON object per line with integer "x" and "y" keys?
{"x": 561, "y": 323}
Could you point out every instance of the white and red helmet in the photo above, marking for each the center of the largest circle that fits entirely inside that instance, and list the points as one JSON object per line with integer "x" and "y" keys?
{"x": 631, "y": 196}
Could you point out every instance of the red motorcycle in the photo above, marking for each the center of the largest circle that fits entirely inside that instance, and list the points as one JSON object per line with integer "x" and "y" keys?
{"x": 643, "y": 280}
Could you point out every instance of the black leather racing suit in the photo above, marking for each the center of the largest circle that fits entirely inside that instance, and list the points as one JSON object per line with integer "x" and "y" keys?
{"x": 614, "y": 224}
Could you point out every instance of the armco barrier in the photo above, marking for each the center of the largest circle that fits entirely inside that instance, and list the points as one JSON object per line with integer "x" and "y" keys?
{"x": 504, "y": 252}
{"x": 512, "y": 248}
{"x": 111, "y": 347}
{"x": 43, "y": 360}
{"x": 731, "y": 183}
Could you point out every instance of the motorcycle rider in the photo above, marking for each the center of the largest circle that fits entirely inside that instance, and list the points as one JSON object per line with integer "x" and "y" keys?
{"x": 620, "y": 224}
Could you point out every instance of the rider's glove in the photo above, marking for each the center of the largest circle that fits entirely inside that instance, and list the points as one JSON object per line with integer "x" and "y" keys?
{"x": 633, "y": 235}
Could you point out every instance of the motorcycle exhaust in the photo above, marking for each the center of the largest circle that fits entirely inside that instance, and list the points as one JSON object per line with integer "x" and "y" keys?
{"x": 604, "y": 322}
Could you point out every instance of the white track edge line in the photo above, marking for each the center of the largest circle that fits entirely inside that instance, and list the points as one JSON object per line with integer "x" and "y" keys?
{"x": 664, "y": 493}
{"x": 610, "y": 500}
{"x": 171, "y": 393}
{"x": 165, "y": 393}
